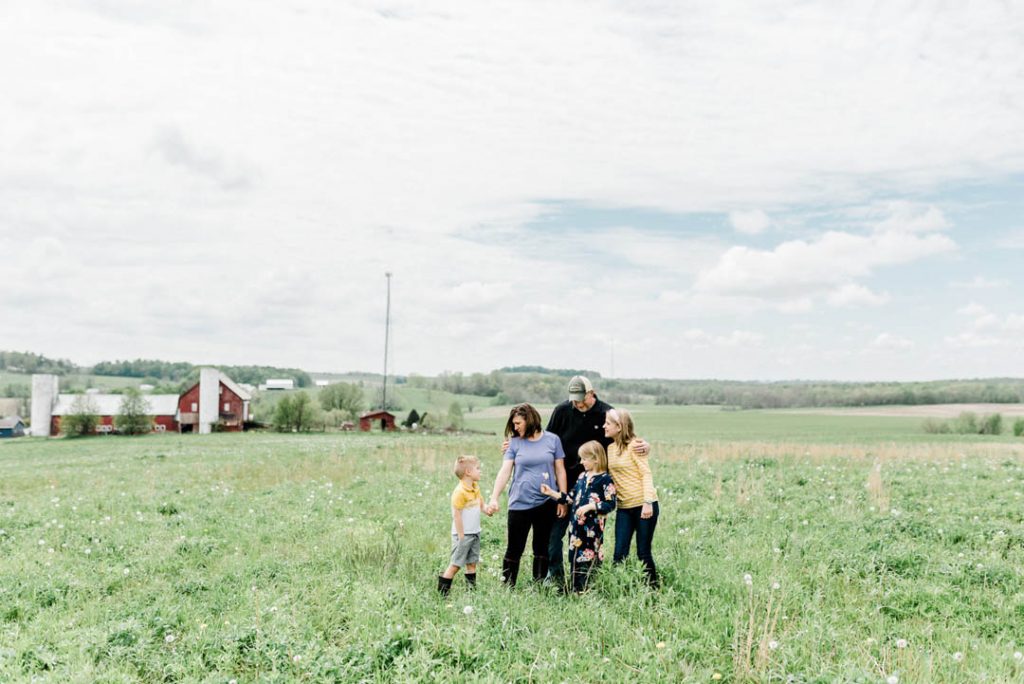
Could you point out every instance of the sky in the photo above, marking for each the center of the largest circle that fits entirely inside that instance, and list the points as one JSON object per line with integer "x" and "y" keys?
{"x": 739, "y": 190}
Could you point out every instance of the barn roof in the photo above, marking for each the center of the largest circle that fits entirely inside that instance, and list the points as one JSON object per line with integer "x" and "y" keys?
{"x": 110, "y": 404}
{"x": 376, "y": 414}
{"x": 10, "y": 422}
{"x": 230, "y": 384}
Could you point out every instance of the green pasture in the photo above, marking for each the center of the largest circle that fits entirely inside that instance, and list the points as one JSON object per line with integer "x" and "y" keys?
{"x": 702, "y": 424}
{"x": 803, "y": 551}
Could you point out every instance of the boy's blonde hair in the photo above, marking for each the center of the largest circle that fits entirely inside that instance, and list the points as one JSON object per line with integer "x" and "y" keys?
{"x": 462, "y": 463}
{"x": 595, "y": 450}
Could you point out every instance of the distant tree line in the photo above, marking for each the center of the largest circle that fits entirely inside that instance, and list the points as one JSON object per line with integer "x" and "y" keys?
{"x": 519, "y": 386}
{"x": 27, "y": 362}
{"x": 187, "y": 373}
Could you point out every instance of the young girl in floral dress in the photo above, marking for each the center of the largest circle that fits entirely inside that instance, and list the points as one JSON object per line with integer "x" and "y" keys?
{"x": 592, "y": 498}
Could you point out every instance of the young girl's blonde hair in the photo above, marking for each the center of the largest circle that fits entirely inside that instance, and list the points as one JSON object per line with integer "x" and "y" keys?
{"x": 462, "y": 463}
{"x": 595, "y": 450}
{"x": 627, "y": 433}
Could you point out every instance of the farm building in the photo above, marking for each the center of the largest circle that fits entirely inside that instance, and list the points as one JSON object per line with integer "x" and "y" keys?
{"x": 278, "y": 384}
{"x": 12, "y": 427}
{"x": 162, "y": 407}
{"x": 387, "y": 420}
{"x": 216, "y": 400}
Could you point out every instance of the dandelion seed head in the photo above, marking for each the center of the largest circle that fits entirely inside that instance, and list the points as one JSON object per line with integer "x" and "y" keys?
{"x": 773, "y": 644}
{"x": 892, "y": 679}
{"x": 958, "y": 656}
{"x": 468, "y": 610}
{"x": 748, "y": 579}
{"x": 901, "y": 643}
{"x": 169, "y": 638}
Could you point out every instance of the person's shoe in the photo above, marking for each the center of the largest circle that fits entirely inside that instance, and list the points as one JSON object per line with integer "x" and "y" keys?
{"x": 540, "y": 568}
{"x": 509, "y": 572}
{"x": 444, "y": 585}
{"x": 471, "y": 580}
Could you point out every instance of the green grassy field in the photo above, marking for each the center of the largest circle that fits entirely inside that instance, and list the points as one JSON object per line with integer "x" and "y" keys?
{"x": 792, "y": 548}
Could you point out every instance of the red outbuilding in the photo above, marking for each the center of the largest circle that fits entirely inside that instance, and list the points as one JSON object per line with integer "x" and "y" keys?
{"x": 387, "y": 420}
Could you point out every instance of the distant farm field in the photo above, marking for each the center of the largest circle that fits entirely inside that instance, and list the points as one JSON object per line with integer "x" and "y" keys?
{"x": 793, "y": 548}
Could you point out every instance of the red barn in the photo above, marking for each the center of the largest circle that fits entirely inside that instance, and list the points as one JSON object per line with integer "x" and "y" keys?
{"x": 387, "y": 420}
{"x": 232, "y": 406}
{"x": 162, "y": 407}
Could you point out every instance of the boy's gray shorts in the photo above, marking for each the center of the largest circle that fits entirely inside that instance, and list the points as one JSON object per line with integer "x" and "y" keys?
{"x": 467, "y": 551}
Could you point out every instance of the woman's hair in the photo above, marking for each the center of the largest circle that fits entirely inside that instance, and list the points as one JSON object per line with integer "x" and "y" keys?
{"x": 527, "y": 413}
{"x": 595, "y": 450}
{"x": 627, "y": 433}
{"x": 462, "y": 464}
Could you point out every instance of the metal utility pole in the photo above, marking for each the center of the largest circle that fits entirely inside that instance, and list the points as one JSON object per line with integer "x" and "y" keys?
{"x": 387, "y": 329}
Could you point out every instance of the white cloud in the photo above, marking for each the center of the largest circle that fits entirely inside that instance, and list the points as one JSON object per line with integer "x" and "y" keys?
{"x": 749, "y": 222}
{"x": 973, "y": 309}
{"x": 802, "y": 267}
{"x": 852, "y": 294}
{"x": 980, "y": 283}
{"x": 889, "y": 342}
{"x": 971, "y": 340}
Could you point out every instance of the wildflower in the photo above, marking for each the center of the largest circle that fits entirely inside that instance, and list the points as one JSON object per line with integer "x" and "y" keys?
{"x": 901, "y": 643}
{"x": 296, "y": 658}
{"x": 1017, "y": 655}
{"x": 776, "y": 586}
{"x": 660, "y": 644}
{"x": 892, "y": 679}
{"x": 716, "y": 676}
{"x": 958, "y": 656}
{"x": 127, "y": 571}
{"x": 169, "y": 638}
{"x": 468, "y": 610}
{"x": 748, "y": 579}
{"x": 773, "y": 644}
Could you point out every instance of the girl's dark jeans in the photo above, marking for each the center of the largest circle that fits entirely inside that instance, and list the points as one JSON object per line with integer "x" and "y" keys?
{"x": 628, "y": 521}
{"x": 540, "y": 519}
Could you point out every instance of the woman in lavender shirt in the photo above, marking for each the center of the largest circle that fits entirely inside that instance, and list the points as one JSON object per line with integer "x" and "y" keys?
{"x": 534, "y": 457}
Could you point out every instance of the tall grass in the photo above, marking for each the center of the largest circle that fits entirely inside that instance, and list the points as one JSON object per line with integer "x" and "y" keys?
{"x": 287, "y": 558}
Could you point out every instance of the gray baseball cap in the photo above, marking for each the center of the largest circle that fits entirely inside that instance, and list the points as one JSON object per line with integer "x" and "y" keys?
{"x": 578, "y": 388}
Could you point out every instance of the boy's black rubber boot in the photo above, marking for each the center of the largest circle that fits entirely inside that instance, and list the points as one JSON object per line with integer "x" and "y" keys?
{"x": 444, "y": 584}
{"x": 471, "y": 580}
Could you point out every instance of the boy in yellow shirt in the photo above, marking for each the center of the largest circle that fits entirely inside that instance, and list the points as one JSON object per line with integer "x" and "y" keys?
{"x": 467, "y": 505}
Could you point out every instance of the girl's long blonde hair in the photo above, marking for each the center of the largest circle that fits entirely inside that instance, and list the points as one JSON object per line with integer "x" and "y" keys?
{"x": 595, "y": 450}
{"x": 627, "y": 433}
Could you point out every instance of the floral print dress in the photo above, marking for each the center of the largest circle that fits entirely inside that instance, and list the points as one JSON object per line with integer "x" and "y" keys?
{"x": 586, "y": 537}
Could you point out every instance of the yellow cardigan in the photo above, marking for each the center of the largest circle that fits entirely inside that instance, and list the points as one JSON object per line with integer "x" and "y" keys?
{"x": 631, "y": 473}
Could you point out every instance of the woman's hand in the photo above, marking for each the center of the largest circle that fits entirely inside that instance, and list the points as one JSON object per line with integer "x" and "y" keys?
{"x": 491, "y": 508}
{"x": 647, "y": 511}
{"x": 561, "y": 510}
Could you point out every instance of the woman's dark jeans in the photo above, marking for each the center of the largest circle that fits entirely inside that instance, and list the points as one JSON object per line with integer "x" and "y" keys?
{"x": 540, "y": 519}
{"x": 628, "y": 521}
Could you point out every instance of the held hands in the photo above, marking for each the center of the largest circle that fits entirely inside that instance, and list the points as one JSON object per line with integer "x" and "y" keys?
{"x": 582, "y": 511}
{"x": 491, "y": 508}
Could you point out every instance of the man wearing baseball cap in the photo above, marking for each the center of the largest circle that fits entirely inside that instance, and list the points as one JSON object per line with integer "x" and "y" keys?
{"x": 576, "y": 421}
